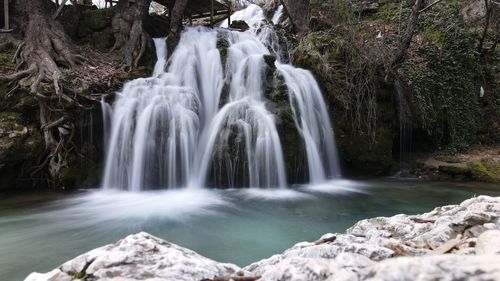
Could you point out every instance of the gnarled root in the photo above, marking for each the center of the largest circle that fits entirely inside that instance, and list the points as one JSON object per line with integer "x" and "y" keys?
{"x": 44, "y": 48}
{"x": 39, "y": 56}
{"x": 58, "y": 134}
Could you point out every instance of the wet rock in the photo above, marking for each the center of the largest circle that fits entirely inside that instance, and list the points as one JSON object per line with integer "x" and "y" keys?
{"x": 240, "y": 25}
{"x": 20, "y": 145}
{"x": 366, "y": 6}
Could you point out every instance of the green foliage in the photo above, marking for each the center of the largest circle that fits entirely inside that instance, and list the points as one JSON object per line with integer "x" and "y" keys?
{"x": 6, "y": 59}
{"x": 434, "y": 36}
{"x": 335, "y": 11}
{"x": 443, "y": 75}
{"x": 94, "y": 21}
{"x": 444, "y": 88}
{"x": 391, "y": 11}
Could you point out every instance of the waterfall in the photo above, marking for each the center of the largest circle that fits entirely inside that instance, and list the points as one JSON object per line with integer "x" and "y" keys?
{"x": 203, "y": 122}
{"x": 161, "y": 54}
{"x": 312, "y": 121}
{"x": 106, "y": 122}
{"x": 277, "y": 15}
{"x": 405, "y": 127}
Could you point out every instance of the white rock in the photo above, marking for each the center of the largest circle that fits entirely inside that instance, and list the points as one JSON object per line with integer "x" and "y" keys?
{"x": 488, "y": 243}
{"x": 443, "y": 267}
{"x": 138, "y": 257}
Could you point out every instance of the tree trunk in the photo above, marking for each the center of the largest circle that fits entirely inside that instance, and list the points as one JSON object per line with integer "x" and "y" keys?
{"x": 299, "y": 13}
{"x": 408, "y": 35}
{"x": 43, "y": 47}
{"x": 174, "y": 33}
{"x": 128, "y": 29}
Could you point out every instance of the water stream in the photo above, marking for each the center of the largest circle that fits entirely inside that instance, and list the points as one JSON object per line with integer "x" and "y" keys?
{"x": 41, "y": 231}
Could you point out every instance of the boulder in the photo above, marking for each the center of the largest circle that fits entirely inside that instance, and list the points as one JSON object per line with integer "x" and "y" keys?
{"x": 138, "y": 257}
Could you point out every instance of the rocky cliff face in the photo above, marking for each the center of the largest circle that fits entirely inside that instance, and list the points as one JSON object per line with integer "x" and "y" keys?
{"x": 452, "y": 103}
{"x": 457, "y": 242}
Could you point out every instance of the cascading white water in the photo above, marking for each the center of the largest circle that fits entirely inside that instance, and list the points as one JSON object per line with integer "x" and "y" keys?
{"x": 277, "y": 15}
{"x": 176, "y": 129}
{"x": 161, "y": 54}
{"x": 254, "y": 17}
{"x": 106, "y": 122}
{"x": 311, "y": 118}
{"x": 405, "y": 126}
{"x": 246, "y": 113}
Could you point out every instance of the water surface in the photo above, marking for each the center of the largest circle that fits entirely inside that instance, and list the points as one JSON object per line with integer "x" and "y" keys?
{"x": 38, "y": 232}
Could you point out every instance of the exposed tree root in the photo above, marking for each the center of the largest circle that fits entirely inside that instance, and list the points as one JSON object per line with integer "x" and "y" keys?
{"x": 44, "y": 49}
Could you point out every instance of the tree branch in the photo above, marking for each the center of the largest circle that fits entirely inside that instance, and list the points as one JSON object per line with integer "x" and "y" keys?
{"x": 428, "y": 7}
{"x": 408, "y": 35}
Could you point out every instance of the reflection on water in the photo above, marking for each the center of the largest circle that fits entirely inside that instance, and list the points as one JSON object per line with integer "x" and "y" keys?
{"x": 40, "y": 231}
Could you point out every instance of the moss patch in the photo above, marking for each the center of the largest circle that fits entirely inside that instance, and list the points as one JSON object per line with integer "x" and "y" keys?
{"x": 6, "y": 64}
{"x": 485, "y": 170}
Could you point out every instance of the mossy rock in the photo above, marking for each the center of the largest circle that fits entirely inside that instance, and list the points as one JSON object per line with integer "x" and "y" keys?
{"x": 371, "y": 157}
{"x": 269, "y": 60}
{"x": 98, "y": 19}
{"x": 455, "y": 170}
{"x": 104, "y": 39}
{"x": 135, "y": 73}
{"x": 239, "y": 24}
{"x": 92, "y": 21}
{"x": 79, "y": 173}
{"x": 6, "y": 64}
{"x": 11, "y": 134}
{"x": 222, "y": 46}
{"x": 20, "y": 146}
{"x": 485, "y": 170}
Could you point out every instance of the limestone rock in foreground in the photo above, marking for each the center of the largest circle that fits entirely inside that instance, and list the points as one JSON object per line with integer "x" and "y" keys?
{"x": 139, "y": 256}
{"x": 458, "y": 242}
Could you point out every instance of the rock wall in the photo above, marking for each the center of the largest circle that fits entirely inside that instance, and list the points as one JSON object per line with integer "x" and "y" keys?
{"x": 456, "y": 242}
